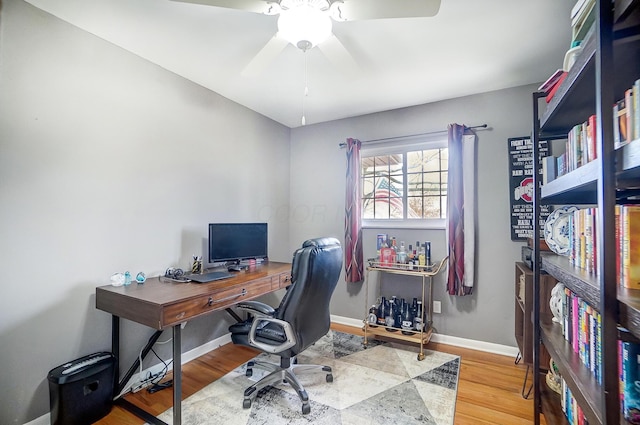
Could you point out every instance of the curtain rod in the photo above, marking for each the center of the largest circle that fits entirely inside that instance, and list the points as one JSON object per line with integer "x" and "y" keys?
{"x": 343, "y": 144}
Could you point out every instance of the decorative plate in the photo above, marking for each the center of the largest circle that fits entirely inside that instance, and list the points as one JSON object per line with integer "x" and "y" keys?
{"x": 556, "y": 230}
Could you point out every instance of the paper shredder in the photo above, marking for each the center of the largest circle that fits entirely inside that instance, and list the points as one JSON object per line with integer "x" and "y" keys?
{"x": 81, "y": 391}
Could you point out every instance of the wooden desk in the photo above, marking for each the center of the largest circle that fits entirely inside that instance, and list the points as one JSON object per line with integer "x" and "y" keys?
{"x": 160, "y": 304}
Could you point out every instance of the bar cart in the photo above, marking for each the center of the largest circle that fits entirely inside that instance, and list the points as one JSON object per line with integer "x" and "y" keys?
{"x": 426, "y": 273}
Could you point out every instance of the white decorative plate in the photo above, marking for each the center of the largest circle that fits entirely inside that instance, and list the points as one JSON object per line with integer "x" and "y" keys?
{"x": 556, "y": 230}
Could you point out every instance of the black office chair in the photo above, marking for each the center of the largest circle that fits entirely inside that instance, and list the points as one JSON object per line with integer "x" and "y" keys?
{"x": 301, "y": 319}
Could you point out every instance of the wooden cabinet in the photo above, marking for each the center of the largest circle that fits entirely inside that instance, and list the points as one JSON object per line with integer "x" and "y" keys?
{"x": 608, "y": 64}
{"x": 523, "y": 329}
{"x": 425, "y": 275}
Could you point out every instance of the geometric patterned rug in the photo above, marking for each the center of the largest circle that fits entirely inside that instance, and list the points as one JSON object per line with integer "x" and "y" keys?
{"x": 382, "y": 384}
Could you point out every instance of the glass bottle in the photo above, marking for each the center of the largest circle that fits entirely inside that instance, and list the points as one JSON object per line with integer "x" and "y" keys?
{"x": 422, "y": 259}
{"x": 417, "y": 320}
{"x": 390, "y": 319}
{"x": 402, "y": 254}
{"x": 372, "y": 319}
{"x": 427, "y": 253}
{"x": 407, "y": 320}
{"x": 382, "y": 311}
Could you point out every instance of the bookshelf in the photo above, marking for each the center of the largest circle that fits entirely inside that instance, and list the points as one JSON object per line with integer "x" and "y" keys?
{"x": 608, "y": 64}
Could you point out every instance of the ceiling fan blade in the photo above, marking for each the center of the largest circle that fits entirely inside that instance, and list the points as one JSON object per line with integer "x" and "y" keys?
{"x": 339, "y": 56}
{"x": 354, "y": 10}
{"x": 257, "y": 6}
{"x": 265, "y": 56}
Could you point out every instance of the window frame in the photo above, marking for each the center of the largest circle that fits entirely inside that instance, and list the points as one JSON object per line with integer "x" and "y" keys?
{"x": 402, "y": 145}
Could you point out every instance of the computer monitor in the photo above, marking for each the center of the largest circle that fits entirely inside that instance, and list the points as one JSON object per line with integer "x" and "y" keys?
{"x": 234, "y": 242}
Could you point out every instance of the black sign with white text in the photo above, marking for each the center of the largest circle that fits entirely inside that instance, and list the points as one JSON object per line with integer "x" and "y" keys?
{"x": 521, "y": 186}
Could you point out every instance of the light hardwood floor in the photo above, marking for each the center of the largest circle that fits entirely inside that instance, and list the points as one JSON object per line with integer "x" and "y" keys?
{"x": 489, "y": 387}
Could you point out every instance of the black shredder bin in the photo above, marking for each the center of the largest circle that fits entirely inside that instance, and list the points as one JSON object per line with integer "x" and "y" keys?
{"x": 81, "y": 391}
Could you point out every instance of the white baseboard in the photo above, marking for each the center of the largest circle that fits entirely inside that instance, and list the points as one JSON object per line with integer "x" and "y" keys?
{"x": 487, "y": 347}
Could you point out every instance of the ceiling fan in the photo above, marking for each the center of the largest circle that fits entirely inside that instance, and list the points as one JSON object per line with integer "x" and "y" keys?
{"x": 308, "y": 23}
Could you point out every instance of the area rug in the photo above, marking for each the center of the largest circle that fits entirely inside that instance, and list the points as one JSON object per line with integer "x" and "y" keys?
{"x": 382, "y": 384}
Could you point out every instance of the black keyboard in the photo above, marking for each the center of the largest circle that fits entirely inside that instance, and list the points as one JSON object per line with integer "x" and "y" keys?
{"x": 209, "y": 277}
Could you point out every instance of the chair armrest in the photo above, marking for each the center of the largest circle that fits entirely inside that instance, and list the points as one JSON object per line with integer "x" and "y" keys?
{"x": 268, "y": 348}
{"x": 256, "y": 308}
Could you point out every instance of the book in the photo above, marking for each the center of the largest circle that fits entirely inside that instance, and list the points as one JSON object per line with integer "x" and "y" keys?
{"x": 620, "y": 130}
{"x": 628, "y": 101}
{"x": 548, "y": 169}
{"x": 630, "y": 382}
{"x": 580, "y": 11}
{"x": 636, "y": 109}
{"x": 592, "y": 137}
{"x": 631, "y": 246}
{"x": 551, "y": 81}
{"x": 552, "y": 91}
{"x": 581, "y": 23}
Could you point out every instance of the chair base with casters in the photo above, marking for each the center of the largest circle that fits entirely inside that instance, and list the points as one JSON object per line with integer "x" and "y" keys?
{"x": 301, "y": 319}
{"x": 285, "y": 373}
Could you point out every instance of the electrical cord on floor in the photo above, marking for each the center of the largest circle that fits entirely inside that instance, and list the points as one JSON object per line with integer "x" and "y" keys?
{"x": 160, "y": 386}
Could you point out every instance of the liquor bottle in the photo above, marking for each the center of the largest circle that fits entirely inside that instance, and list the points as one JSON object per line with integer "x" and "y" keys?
{"x": 394, "y": 253}
{"x": 390, "y": 318}
{"x": 414, "y": 306}
{"x": 422, "y": 259}
{"x": 407, "y": 320}
{"x": 382, "y": 311}
{"x": 398, "y": 318}
{"x": 402, "y": 255}
{"x": 372, "y": 319}
{"x": 417, "y": 320}
{"x": 427, "y": 253}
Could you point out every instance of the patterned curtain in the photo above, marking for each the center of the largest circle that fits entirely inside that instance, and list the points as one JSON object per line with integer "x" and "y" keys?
{"x": 461, "y": 215}
{"x": 352, "y": 218}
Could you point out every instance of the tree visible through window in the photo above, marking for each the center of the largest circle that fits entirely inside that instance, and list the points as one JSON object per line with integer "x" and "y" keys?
{"x": 407, "y": 185}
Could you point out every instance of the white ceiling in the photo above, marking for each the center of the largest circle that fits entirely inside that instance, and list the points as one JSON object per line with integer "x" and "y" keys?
{"x": 470, "y": 46}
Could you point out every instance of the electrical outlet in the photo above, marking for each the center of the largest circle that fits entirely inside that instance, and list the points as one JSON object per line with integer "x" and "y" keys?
{"x": 437, "y": 307}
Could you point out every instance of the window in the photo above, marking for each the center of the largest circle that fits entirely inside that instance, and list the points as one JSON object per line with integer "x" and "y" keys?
{"x": 405, "y": 184}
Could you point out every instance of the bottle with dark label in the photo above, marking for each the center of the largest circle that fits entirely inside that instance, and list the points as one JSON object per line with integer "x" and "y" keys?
{"x": 382, "y": 311}
{"x": 417, "y": 320}
{"x": 372, "y": 319}
{"x": 407, "y": 320}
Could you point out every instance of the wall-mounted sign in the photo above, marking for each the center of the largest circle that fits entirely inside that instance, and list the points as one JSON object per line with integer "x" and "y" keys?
{"x": 521, "y": 186}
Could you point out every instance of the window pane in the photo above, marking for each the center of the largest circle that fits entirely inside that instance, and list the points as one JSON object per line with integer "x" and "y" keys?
{"x": 432, "y": 183}
{"x": 431, "y": 161}
{"x": 444, "y": 159}
{"x": 432, "y": 207}
{"x": 368, "y": 184}
{"x": 414, "y": 162}
{"x": 415, "y": 207}
{"x": 445, "y": 180}
{"x": 414, "y": 184}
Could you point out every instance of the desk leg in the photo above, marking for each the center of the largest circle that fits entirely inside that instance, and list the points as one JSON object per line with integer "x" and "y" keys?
{"x": 115, "y": 349}
{"x": 177, "y": 375}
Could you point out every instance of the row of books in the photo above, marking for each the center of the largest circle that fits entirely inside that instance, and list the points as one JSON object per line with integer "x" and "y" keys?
{"x": 580, "y": 147}
{"x": 570, "y": 407}
{"x": 583, "y": 236}
{"x": 626, "y": 116}
{"x": 582, "y": 328}
{"x": 628, "y": 245}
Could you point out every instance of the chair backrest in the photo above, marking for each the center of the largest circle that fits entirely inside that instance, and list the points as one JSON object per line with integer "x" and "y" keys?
{"x": 315, "y": 271}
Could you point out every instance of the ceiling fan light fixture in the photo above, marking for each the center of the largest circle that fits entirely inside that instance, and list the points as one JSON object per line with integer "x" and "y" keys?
{"x": 304, "y": 23}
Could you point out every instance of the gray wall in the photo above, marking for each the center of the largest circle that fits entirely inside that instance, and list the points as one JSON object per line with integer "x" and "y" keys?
{"x": 318, "y": 169}
{"x": 109, "y": 163}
